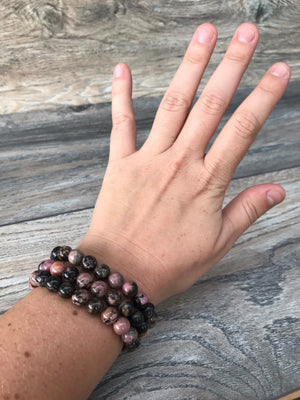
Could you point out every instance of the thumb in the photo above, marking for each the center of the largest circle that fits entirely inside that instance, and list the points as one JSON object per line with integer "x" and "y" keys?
{"x": 246, "y": 208}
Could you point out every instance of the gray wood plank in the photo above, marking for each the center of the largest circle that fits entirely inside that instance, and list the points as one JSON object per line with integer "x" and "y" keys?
{"x": 62, "y": 52}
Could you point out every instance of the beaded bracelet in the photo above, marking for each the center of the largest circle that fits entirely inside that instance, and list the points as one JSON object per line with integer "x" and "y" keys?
{"x": 88, "y": 283}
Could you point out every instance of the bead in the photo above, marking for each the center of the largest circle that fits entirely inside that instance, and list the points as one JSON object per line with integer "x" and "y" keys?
{"x": 57, "y": 268}
{"x": 121, "y": 326}
{"x": 130, "y": 289}
{"x": 142, "y": 327}
{"x": 70, "y": 274}
{"x": 129, "y": 336}
{"x": 113, "y": 297}
{"x": 53, "y": 283}
{"x": 136, "y": 318}
{"x": 126, "y": 308}
{"x": 64, "y": 252}
{"x": 54, "y": 253}
{"x": 148, "y": 310}
{"x": 41, "y": 278}
{"x": 32, "y": 282}
{"x": 89, "y": 263}
{"x": 133, "y": 345}
{"x": 115, "y": 280}
{"x": 75, "y": 257}
{"x": 45, "y": 265}
{"x": 152, "y": 321}
{"x": 81, "y": 297}
{"x": 66, "y": 289}
{"x": 140, "y": 299}
{"x": 99, "y": 288}
{"x": 109, "y": 316}
{"x": 102, "y": 271}
{"x": 84, "y": 280}
{"x": 96, "y": 306}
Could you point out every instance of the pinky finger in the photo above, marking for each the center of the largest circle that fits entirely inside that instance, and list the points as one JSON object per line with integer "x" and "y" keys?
{"x": 123, "y": 134}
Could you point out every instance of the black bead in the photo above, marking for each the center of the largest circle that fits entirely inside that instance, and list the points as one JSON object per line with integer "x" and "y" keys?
{"x": 152, "y": 321}
{"x": 136, "y": 318}
{"x": 55, "y": 253}
{"x": 53, "y": 283}
{"x": 70, "y": 274}
{"x": 148, "y": 310}
{"x": 96, "y": 306}
{"x": 133, "y": 345}
{"x": 41, "y": 278}
{"x": 142, "y": 327}
{"x": 66, "y": 289}
{"x": 64, "y": 252}
{"x": 126, "y": 308}
{"x": 89, "y": 263}
{"x": 113, "y": 297}
{"x": 102, "y": 271}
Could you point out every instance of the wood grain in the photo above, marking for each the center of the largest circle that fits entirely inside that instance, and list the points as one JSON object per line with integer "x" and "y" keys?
{"x": 62, "y": 52}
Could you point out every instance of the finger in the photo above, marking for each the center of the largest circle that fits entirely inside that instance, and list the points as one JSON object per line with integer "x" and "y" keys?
{"x": 123, "y": 134}
{"x": 240, "y": 131}
{"x": 176, "y": 103}
{"x": 245, "y": 209}
{"x": 207, "y": 113}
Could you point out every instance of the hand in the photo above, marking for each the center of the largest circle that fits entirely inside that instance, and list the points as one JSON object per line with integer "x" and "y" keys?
{"x": 159, "y": 217}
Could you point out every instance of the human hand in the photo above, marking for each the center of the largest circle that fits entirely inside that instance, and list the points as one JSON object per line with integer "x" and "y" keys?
{"x": 159, "y": 218}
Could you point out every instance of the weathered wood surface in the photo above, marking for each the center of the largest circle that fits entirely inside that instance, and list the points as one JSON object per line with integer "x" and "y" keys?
{"x": 62, "y": 52}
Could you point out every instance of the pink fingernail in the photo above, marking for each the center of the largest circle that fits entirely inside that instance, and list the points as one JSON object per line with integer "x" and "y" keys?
{"x": 245, "y": 34}
{"x": 274, "y": 197}
{"x": 119, "y": 71}
{"x": 280, "y": 70}
{"x": 204, "y": 35}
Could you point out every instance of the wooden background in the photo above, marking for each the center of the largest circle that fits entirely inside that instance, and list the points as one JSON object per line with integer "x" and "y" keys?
{"x": 236, "y": 333}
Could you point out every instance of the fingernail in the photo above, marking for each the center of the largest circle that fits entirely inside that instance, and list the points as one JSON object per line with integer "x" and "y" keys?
{"x": 245, "y": 34}
{"x": 119, "y": 70}
{"x": 204, "y": 35}
{"x": 280, "y": 70}
{"x": 274, "y": 197}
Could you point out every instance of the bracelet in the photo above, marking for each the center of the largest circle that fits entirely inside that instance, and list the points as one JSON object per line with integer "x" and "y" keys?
{"x": 81, "y": 278}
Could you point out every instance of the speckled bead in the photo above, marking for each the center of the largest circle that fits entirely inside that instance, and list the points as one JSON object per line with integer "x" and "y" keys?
{"x": 32, "y": 283}
{"x": 126, "y": 308}
{"x": 41, "y": 278}
{"x": 137, "y": 318}
{"x": 45, "y": 265}
{"x": 130, "y": 289}
{"x": 57, "y": 268}
{"x": 129, "y": 336}
{"x": 142, "y": 327}
{"x": 75, "y": 257}
{"x": 64, "y": 252}
{"x": 81, "y": 297}
{"x": 53, "y": 283}
{"x": 85, "y": 280}
{"x": 109, "y": 316}
{"x": 102, "y": 271}
{"x": 96, "y": 306}
{"x": 70, "y": 274}
{"x": 89, "y": 263}
{"x": 113, "y": 297}
{"x": 148, "y": 310}
{"x": 66, "y": 289}
{"x": 99, "y": 288}
{"x": 55, "y": 253}
{"x": 140, "y": 299}
{"x": 133, "y": 345}
{"x": 121, "y": 326}
{"x": 115, "y": 280}
{"x": 152, "y": 321}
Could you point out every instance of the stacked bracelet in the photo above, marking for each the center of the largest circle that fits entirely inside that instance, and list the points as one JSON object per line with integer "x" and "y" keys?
{"x": 88, "y": 283}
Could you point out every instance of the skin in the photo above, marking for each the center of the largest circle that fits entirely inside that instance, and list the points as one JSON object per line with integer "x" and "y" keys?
{"x": 159, "y": 218}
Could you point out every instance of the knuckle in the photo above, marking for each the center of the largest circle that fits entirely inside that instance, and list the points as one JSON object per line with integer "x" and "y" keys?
{"x": 245, "y": 124}
{"x": 239, "y": 56}
{"x": 194, "y": 57}
{"x": 250, "y": 210}
{"x": 175, "y": 102}
{"x": 121, "y": 119}
{"x": 266, "y": 89}
{"x": 212, "y": 103}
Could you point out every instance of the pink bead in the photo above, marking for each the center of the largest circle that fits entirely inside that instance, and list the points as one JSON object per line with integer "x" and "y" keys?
{"x": 143, "y": 298}
{"x": 32, "y": 282}
{"x": 99, "y": 288}
{"x": 109, "y": 316}
{"x": 115, "y": 280}
{"x": 46, "y": 265}
{"x": 129, "y": 336}
{"x": 121, "y": 326}
{"x": 75, "y": 257}
{"x": 130, "y": 289}
{"x": 84, "y": 280}
{"x": 57, "y": 268}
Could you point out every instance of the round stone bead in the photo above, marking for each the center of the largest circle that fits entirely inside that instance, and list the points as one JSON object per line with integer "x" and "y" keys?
{"x": 57, "y": 268}
{"x": 115, "y": 280}
{"x": 99, "y": 288}
{"x": 102, "y": 271}
{"x": 84, "y": 280}
{"x": 152, "y": 321}
{"x": 96, "y": 306}
{"x": 66, "y": 289}
{"x": 41, "y": 278}
{"x": 81, "y": 297}
{"x": 137, "y": 318}
{"x": 75, "y": 257}
{"x": 70, "y": 274}
{"x": 148, "y": 310}
{"x": 64, "y": 252}
{"x": 130, "y": 289}
{"x": 32, "y": 282}
{"x": 55, "y": 253}
{"x": 113, "y": 297}
{"x": 53, "y": 283}
{"x": 142, "y": 327}
{"x": 109, "y": 316}
{"x": 140, "y": 299}
{"x": 133, "y": 345}
{"x": 89, "y": 263}
{"x": 121, "y": 326}
{"x": 126, "y": 308}
{"x": 45, "y": 265}
{"x": 129, "y": 336}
